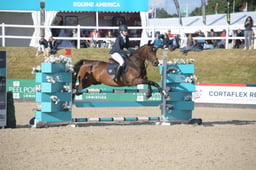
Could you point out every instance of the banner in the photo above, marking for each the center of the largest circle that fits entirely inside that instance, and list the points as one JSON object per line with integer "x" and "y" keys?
{"x": 22, "y": 89}
{"x": 97, "y": 5}
{"x": 205, "y": 93}
{"x": 225, "y": 94}
{"x": 31, "y": 5}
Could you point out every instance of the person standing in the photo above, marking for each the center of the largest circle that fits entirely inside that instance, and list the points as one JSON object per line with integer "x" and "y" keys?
{"x": 117, "y": 52}
{"x": 74, "y": 35}
{"x": 248, "y": 24}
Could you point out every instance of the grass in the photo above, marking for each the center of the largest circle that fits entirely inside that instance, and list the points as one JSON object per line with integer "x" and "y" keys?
{"x": 211, "y": 66}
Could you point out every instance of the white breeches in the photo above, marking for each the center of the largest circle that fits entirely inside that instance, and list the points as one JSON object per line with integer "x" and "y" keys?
{"x": 117, "y": 57}
{"x": 41, "y": 48}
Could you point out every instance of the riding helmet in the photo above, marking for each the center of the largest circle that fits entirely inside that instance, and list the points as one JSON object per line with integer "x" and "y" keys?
{"x": 123, "y": 28}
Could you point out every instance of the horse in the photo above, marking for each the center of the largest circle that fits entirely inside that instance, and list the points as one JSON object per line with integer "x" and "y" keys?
{"x": 93, "y": 72}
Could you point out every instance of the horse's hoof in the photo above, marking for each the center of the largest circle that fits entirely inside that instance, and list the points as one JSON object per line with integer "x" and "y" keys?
{"x": 167, "y": 98}
{"x": 148, "y": 96}
{"x": 74, "y": 91}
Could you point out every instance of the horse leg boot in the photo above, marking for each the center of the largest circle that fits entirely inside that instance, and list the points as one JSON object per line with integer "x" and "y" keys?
{"x": 118, "y": 72}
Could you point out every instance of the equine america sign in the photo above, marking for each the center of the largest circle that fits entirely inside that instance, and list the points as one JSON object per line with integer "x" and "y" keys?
{"x": 97, "y": 5}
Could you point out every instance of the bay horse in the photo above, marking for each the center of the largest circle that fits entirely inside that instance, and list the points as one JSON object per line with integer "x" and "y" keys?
{"x": 92, "y": 72}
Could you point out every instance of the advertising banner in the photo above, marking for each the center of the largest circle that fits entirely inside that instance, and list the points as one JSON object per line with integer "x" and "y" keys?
{"x": 97, "y": 5}
{"x": 205, "y": 93}
{"x": 22, "y": 89}
{"x": 3, "y": 95}
{"x": 30, "y": 5}
{"x": 225, "y": 94}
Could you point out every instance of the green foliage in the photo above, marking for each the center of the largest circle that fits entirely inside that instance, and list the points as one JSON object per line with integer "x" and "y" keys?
{"x": 222, "y": 6}
{"x": 162, "y": 13}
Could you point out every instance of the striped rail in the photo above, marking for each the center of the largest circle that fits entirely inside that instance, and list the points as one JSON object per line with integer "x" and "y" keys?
{"x": 116, "y": 90}
{"x": 111, "y": 119}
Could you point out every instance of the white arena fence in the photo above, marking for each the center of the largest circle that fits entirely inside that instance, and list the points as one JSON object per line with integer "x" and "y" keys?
{"x": 143, "y": 38}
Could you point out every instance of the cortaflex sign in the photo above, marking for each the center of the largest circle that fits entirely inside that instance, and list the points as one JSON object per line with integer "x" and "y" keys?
{"x": 97, "y": 5}
{"x": 225, "y": 93}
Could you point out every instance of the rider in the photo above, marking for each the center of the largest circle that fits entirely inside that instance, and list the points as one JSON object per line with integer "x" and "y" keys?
{"x": 117, "y": 52}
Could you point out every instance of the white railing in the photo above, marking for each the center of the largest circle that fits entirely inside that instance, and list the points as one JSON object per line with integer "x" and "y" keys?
{"x": 152, "y": 29}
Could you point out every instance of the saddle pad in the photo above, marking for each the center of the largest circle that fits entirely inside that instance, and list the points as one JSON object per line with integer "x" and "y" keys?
{"x": 111, "y": 69}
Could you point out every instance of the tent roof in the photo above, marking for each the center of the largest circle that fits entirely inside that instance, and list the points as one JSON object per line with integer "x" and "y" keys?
{"x": 196, "y": 21}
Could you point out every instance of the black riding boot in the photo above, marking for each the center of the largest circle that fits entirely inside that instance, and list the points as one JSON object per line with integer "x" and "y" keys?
{"x": 118, "y": 72}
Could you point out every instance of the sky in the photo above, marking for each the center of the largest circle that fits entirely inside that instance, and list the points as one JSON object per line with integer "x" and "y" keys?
{"x": 169, "y": 5}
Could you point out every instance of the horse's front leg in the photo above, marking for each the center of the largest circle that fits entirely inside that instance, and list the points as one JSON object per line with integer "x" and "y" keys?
{"x": 160, "y": 89}
{"x": 149, "y": 92}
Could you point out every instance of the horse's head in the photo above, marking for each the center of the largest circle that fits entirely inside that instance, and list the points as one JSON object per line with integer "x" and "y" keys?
{"x": 150, "y": 51}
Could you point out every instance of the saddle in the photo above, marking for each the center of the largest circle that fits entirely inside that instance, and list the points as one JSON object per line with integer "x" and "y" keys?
{"x": 112, "y": 66}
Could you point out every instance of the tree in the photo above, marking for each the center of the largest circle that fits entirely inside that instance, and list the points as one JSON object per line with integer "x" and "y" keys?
{"x": 234, "y": 6}
{"x": 162, "y": 13}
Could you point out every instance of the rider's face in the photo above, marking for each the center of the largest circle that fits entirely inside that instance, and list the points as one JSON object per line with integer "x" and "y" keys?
{"x": 124, "y": 33}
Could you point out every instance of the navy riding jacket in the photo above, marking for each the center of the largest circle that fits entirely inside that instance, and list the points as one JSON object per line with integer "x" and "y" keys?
{"x": 119, "y": 45}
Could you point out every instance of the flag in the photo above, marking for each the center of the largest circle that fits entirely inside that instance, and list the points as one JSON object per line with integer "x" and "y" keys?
{"x": 68, "y": 51}
{"x": 152, "y": 12}
{"x": 177, "y": 5}
{"x": 216, "y": 8}
{"x": 203, "y": 11}
{"x": 184, "y": 12}
{"x": 244, "y": 9}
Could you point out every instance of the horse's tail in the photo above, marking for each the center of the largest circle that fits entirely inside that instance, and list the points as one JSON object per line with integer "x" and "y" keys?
{"x": 76, "y": 70}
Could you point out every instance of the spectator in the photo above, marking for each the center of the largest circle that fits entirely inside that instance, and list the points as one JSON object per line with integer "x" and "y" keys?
{"x": 211, "y": 43}
{"x": 158, "y": 43}
{"x": 188, "y": 45}
{"x": 170, "y": 35}
{"x": 94, "y": 35}
{"x": 199, "y": 43}
{"x": 109, "y": 42}
{"x": 74, "y": 35}
{"x": 239, "y": 42}
{"x": 84, "y": 43}
{"x": 174, "y": 43}
{"x": 42, "y": 46}
{"x": 248, "y": 24}
{"x": 52, "y": 46}
{"x": 183, "y": 44}
{"x": 222, "y": 43}
{"x": 166, "y": 41}
{"x": 190, "y": 42}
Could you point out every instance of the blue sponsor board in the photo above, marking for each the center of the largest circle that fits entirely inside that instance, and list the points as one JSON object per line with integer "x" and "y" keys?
{"x": 97, "y": 5}
{"x": 31, "y": 5}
